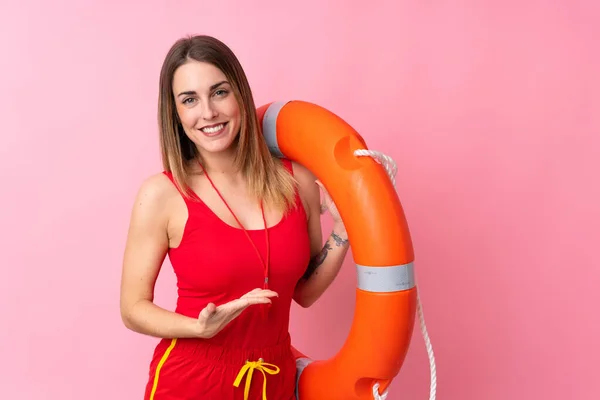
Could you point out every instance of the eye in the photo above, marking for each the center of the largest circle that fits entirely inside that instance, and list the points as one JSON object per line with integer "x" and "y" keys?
{"x": 188, "y": 101}
{"x": 221, "y": 92}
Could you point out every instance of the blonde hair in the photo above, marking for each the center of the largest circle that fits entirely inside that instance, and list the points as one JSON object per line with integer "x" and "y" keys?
{"x": 267, "y": 178}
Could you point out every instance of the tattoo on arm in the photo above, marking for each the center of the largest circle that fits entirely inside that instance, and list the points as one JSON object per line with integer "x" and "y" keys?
{"x": 338, "y": 240}
{"x": 316, "y": 261}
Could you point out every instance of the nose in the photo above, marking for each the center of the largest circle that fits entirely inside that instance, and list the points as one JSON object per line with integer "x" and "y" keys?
{"x": 208, "y": 111}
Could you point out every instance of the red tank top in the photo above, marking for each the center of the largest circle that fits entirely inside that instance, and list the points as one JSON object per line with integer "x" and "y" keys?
{"x": 215, "y": 262}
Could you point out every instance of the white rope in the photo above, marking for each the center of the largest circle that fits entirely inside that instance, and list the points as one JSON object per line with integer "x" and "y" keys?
{"x": 388, "y": 162}
{"x": 376, "y": 394}
{"x": 391, "y": 168}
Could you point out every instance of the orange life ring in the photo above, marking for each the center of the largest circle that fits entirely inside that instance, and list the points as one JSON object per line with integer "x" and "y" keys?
{"x": 386, "y": 295}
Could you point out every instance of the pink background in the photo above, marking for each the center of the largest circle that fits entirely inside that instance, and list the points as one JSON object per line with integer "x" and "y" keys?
{"x": 491, "y": 110}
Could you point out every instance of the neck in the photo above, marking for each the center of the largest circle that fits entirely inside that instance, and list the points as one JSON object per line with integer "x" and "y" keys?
{"x": 220, "y": 164}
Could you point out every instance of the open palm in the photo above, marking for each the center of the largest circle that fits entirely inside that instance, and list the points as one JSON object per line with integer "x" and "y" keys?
{"x": 213, "y": 319}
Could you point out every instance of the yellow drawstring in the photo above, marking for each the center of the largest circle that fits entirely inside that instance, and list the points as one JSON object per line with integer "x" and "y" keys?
{"x": 249, "y": 367}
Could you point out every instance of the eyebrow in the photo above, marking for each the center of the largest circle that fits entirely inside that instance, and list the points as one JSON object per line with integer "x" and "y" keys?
{"x": 193, "y": 92}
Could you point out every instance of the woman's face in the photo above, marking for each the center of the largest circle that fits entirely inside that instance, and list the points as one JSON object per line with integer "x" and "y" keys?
{"x": 206, "y": 105}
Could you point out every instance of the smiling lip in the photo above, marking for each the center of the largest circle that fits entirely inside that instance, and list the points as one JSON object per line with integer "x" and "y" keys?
{"x": 214, "y": 130}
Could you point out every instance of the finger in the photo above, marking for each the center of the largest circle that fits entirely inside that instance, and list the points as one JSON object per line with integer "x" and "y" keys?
{"x": 322, "y": 187}
{"x": 208, "y": 311}
{"x": 241, "y": 304}
{"x": 261, "y": 293}
{"x": 265, "y": 292}
{"x": 326, "y": 202}
{"x": 250, "y": 301}
{"x": 253, "y": 291}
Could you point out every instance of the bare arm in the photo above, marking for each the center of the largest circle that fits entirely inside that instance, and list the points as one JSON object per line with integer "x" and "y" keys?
{"x": 326, "y": 260}
{"x": 146, "y": 248}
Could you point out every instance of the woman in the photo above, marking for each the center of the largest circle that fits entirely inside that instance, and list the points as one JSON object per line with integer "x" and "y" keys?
{"x": 243, "y": 234}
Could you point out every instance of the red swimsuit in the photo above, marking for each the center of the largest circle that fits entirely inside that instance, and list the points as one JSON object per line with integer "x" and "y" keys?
{"x": 216, "y": 262}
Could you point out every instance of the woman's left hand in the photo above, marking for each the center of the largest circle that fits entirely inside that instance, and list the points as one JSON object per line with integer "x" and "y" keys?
{"x": 328, "y": 204}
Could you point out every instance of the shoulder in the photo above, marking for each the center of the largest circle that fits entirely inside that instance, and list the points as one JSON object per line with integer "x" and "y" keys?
{"x": 153, "y": 196}
{"x": 302, "y": 174}
{"x": 156, "y": 188}
{"x": 307, "y": 187}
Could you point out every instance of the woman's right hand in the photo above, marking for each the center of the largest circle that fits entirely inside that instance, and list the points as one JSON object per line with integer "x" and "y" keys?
{"x": 213, "y": 319}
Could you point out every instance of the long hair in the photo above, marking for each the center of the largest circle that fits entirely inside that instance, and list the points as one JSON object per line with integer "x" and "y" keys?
{"x": 268, "y": 180}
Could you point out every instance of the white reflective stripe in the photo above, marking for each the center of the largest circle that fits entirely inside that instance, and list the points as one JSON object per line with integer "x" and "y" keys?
{"x": 301, "y": 363}
{"x": 270, "y": 127}
{"x": 394, "y": 278}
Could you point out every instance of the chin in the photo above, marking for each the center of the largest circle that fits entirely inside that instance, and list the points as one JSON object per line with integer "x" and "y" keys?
{"x": 217, "y": 146}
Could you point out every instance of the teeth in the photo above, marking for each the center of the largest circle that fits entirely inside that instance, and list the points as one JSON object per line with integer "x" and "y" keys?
{"x": 213, "y": 129}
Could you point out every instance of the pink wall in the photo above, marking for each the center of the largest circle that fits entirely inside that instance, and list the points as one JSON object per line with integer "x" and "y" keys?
{"x": 493, "y": 107}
